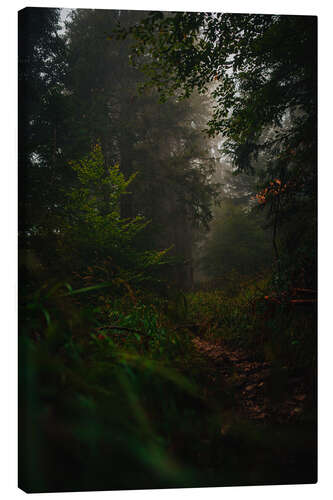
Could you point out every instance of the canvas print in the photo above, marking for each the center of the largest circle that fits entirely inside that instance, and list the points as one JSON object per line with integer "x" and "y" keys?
{"x": 167, "y": 249}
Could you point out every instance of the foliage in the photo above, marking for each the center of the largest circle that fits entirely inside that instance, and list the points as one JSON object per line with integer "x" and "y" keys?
{"x": 93, "y": 229}
{"x": 126, "y": 380}
{"x": 42, "y": 129}
{"x": 144, "y": 325}
{"x": 81, "y": 90}
{"x": 112, "y": 408}
{"x": 237, "y": 243}
{"x": 82, "y": 388}
{"x": 274, "y": 329}
{"x": 261, "y": 71}
{"x": 140, "y": 135}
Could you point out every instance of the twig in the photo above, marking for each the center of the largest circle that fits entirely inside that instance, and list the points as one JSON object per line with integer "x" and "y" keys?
{"x": 113, "y": 327}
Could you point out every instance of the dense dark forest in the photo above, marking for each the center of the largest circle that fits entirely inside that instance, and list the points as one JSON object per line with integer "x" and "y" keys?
{"x": 167, "y": 249}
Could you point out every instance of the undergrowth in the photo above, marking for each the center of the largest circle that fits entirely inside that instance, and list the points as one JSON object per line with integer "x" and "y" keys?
{"x": 255, "y": 320}
{"x": 113, "y": 395}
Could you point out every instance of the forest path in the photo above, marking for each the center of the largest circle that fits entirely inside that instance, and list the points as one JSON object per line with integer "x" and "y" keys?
{"x": 258, "y": 390}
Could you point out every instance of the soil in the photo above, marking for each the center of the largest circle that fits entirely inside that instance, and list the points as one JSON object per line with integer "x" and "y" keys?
{"x": 260, "y": 390}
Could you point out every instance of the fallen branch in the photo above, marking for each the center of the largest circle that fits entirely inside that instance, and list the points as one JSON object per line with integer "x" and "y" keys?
{"x": 114, "y": 327}
{"x": 303, "y": 301}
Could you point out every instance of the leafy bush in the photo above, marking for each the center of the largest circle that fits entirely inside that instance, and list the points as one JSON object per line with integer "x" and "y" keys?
{"x": 92, "y": 233}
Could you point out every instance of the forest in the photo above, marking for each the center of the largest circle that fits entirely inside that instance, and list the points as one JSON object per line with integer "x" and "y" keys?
{"x": 167, "y": 249}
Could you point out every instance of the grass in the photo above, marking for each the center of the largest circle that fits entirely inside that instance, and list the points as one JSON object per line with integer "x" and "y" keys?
{"x": 113, "y": 394}
{"x": 254, "y": 320}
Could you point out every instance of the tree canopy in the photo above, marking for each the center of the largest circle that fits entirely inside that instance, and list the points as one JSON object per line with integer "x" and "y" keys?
{"x": 85, "y": 92}
{"x": 257, "y": 68}
{"x": 261, "y": 71}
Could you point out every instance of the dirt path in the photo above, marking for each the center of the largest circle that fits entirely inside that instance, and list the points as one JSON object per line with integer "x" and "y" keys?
{"x": 260, "y": 391}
